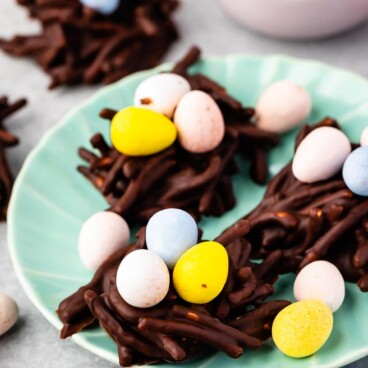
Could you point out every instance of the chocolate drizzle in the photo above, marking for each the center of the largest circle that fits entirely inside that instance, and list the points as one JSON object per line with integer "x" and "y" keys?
{"x": 137, "y": 187}
{"x": 308, "y": 222}
{"x": 6, "y": 140}
{"x": 239, "y": 318}
{"x": 79, "y": 45}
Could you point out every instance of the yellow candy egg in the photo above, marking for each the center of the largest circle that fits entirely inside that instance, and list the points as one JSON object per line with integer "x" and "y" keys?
{"x": 140, "y": 132}
{"x": 201, "y": 272}
{"x": 302, "y": 328}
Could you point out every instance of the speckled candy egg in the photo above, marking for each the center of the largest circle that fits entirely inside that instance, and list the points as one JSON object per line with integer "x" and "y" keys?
{"x": 320, "y": 155}
{"x": 161, "y": 93}
{"x": 282, "y": 106}
{"x": 302, "y": 328}
{"x": 105, "y": 7}
{"x": 355, "y": 171}
{"x": 9, "y": 313}
{"x": 170, "y": 233}
{"x": 143, "y": 279}
{"x": 201, "y": 272}
{"x": 101, "y": 235}
{"x": 320, "y": 280}
{"x": 199, "y": 122}
{"x": 364, "y": 137}
{"x": 141, "y": 132}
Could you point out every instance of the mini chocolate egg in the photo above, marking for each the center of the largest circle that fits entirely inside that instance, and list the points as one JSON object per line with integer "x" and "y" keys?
{"x": 199, "y": 121}
{"x": 143, "y": 279}
{"x": 320, "y": 280}
{"x": 170, "y": 233}
{"x": 282, "y": 106}
{"x": 320, "y": 155}
{"x": 364, "y": 137}
{"x": 9, "y": 313}
{"x": 101, "y": 235}
{"x": 355, "y": 171}
{"x": 302, "y": 328}
{"x": 141, "y": 132}
{"x": 201, "y": 272}
{"x": 105, "y": 7}
{"x": 161, "y": 93}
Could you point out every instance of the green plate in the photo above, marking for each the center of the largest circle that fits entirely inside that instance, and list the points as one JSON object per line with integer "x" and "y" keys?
{"x": 51, "y": 200}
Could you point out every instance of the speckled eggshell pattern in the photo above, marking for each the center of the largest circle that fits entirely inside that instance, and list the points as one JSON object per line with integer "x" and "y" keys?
{"x": 101, "y": 235}
{"x": 320, "y": 155}
{"x": 143, "y": 279}
{"x": 302, "y": 328}
{"x": 282, "y": 106}
{"x": 161, "y": 93}
{"x": 199, "y": 121}
{"x": 320, "y": 280}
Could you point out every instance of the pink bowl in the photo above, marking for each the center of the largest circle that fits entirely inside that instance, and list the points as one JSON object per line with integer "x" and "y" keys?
{"x": 298, "y": 19}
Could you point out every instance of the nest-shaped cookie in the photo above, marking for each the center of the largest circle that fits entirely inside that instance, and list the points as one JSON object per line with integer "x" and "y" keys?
{"x": 79, "y": 45}
{"x": 308, "y": 222}
{"x": 174, "y": 330}
{"x": 138, "y": 187}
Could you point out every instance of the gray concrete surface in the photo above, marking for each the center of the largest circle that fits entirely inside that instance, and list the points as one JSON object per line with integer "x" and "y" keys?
{"x": 33, "y": 342}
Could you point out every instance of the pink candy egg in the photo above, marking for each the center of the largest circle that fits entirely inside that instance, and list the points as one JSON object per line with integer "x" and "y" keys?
{"x": 199, "y": 122}
{"x": 282, "y": 106}
{"x": 101, "y": 235}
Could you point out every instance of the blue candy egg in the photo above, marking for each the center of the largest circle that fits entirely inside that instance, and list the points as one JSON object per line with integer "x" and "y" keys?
{"x": 170, "y": 233}
{"x": 355, "y": 171}
{"x": 105, "y": 7}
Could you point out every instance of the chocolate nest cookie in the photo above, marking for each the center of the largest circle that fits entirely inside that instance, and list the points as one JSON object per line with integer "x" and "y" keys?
{"x": 138, "y": 187}
{"x": 80, "y": 45}
{"x": 174, "y": 330}
{"x": 308, "y": 222}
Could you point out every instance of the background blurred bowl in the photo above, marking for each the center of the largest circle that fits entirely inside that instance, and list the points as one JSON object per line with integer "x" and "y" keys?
{"x": 298, "y": 19}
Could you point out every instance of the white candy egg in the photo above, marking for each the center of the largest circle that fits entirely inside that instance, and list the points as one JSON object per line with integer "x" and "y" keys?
{"x": 320, "y": 280}
{"x": 101, "y": 235}
{"x": 199, "y": 122}
{"x": 282, "y": 106}
{"x": 143, "y": 279}
{"x": 161, "y": 93}
{"x": 320, "y": 155}
{"x": 364, "y": 137}
{"x": 9, "y": 313}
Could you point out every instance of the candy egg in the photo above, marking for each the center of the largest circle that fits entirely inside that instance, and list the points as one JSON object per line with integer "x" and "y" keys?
{"x": 140, "y": 132}
{"x": 9, "y": 313}
{"x": 302, "y": 328}
{"x": 201, "y": 272}
{"x": 101, "y": 235}
{"x": 105, "y": 7}
{"x": 355, "y": 171}
{"x": 320, "y": 155}
{"x": 161, "y": 93}
{"x": 282, "y": 106}
{"x": 199, "y": 122}
{"x": 320, "y": 280}
{"x": 364, "y": 137}
{"x": 143, "y": 279}
{"x": 170, "y": 233}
